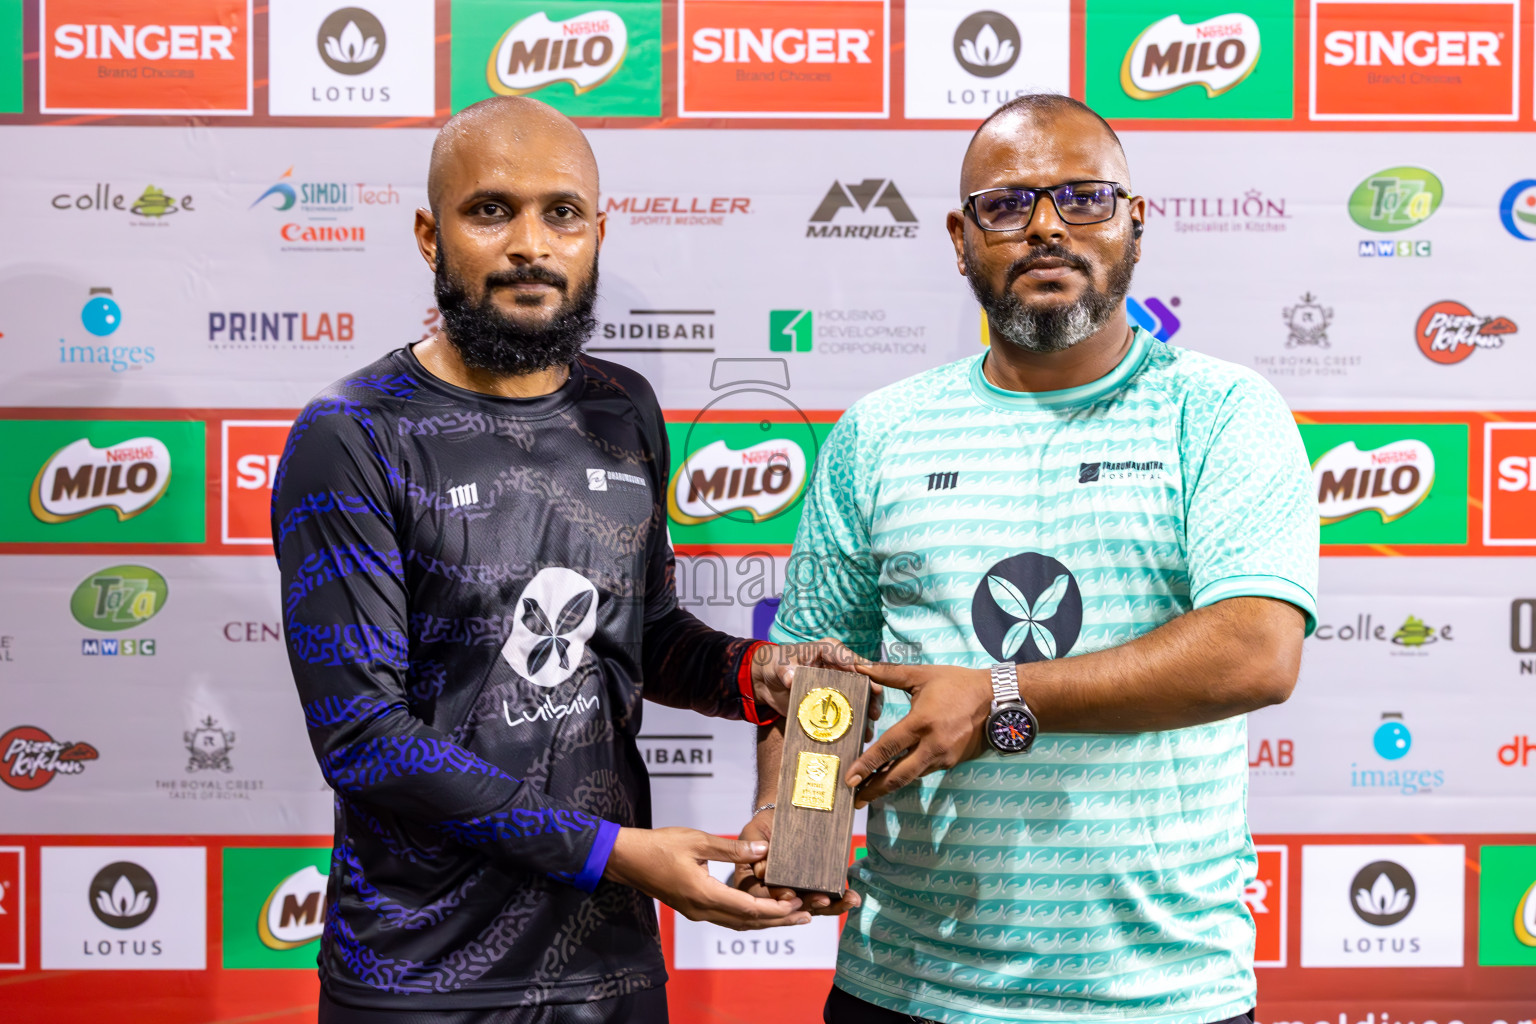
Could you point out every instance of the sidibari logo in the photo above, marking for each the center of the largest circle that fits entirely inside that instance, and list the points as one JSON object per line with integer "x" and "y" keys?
{"x": 293, "y": 913}
{"x": 1448, "y": 332}
{"x": 80, "y": 478}
{"x": 1027, "y": 608}
{"x": 584, "y": 50}
{"x": 351, "y": 41}
{"x": 30, "y": 758}
{"x": 1216, "y": 54}
{"x": 764, "y": 480}
{"x": 1391, "y": 480}
{"x": 1396, "y": 199}
{"x": 121, "y": 597}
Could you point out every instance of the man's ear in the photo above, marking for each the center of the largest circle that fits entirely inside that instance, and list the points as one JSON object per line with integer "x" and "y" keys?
{"x": 426, "y": 236}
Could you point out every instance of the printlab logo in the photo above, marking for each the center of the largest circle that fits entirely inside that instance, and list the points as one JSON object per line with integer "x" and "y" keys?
{"x": 865, "y": 197}
{"x": 556, "y": 616}
{"x": 987, "y": 44}
{"x": 208, "y": 747}
{"x": 1382, "y": 893}
{"x": 1273, "y": 757}
{"x": 1448, "y": 332}
{"x": 30, "y": 758}
{"x": 1027, "y": 608}
{"x": 123, "y": 895}
{"x": 1517, "y": 210}
{"x": 1153, "y": 316}
{"x": 351, "y": 41}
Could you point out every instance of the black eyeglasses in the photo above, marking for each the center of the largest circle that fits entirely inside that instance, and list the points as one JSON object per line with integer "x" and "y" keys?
{"x": 1077, "y": 202}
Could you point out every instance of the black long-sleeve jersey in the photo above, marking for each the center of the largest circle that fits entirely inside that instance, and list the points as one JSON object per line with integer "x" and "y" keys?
{"x": 474, "y": 590}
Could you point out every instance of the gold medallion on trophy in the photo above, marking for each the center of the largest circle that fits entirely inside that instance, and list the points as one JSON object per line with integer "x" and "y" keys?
{"x": 824, "y": 714}
{"x": 815, "y": 781}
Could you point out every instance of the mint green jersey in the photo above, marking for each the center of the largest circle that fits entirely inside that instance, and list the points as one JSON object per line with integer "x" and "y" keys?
{"x": 1098, "y": 876}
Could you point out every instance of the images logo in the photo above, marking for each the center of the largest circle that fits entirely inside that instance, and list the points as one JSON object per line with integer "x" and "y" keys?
{"x": 1168, "y": 55}
{"x": 1392, "y": 741}
{"x": 1509, "y": 484}
{"x": 1396, "y": 199}
{"x": 136, "y": 57}
{"x": 866, "y": 196}
{"x": 100, "y": 315}
{"x": 764, "y": 480}
{"x": 1517, "y": 210}
{"x": 1448, "y": 332}
{"x": 1506, "y": 897}
{"x": 1027, "y": 608}
{"x": 118, "y": 598}
{"x": 1153, "y": 316}
{"x": 782, "y": 60}
{"x": 274, "y": 905}
{"x": 1414, "y": 60}
{"x": 80, "y": 478}
{"x": 30, "y": 758}
{"x": 347, "y": 48}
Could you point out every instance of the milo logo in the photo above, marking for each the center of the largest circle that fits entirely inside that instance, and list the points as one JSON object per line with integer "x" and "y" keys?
{"x": 294, "y": 912}
{"x": 80, "y": 478}
{"x": 584, "y": 50}
{"x": 761, "y": 481}
{"x": 1391, "y": 480}
{"x": 118, "y": 598}
{"x": 1395, "y": 199}
{"x": 1217, "y": 54}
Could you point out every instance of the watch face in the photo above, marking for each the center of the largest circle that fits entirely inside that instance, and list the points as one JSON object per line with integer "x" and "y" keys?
{"x": 1010, "y": 729}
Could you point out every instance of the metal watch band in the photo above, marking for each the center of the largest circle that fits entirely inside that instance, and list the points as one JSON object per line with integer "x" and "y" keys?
{"x": 1005, "y": 684}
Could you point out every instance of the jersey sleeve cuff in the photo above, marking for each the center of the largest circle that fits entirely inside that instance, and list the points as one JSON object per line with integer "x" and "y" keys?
{"x": 1277, "y": 587}
{"x": 597, "y": 858}
{"x": 749, "y": 707}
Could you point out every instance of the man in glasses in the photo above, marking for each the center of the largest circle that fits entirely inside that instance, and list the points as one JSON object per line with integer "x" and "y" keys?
{"x": 1114, "y": 551}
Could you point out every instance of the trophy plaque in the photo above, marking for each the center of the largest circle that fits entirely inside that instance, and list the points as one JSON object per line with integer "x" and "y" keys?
{"x": 813, "y": 823}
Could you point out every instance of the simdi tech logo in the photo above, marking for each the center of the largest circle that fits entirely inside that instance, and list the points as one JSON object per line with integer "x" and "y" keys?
{"x": 583, "y": 59}
{"x": 373, "y": 59}
{"x": 1415, "y": 60}
{"x": 274, "y": 905}
{"x": 783, "y": 58}
{"x": 963, "y": 61}
{"x": 1190, "y": 60}
{"x": 1389, "y": 483}
{"x": 145, "y": 56}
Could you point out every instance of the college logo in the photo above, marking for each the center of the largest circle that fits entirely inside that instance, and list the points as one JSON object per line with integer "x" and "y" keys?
{"x": 30, "y": 758}
{"x": 274, "y": 905}
{"x": 1414, "y": 634}
{"x": 1391, "y": 480}
{"x": 252, "y": 451}
{"x": 865, "y": 197}
{"x": 80, "y": 478}
{"x": 1448, "y": 332}
{"x": 1509, "y": 484}
{"x": 123, "y": 895}
{"x": 1517, "y": 210}
{"x": 1382, "y": 906}
{"x": 13, "y": 908}
{"x": 961, "y": 63}
{"x": 1027, "y": 608}
{"x": 556, "y": 615}
{"x": 153, "y": 207}
{"x": 1414, "y": 60}
{"x": 582, "y": 59}
{"x": 138, "y": 908}
{"x": 1215, "y": 54}
{"x": 1396, "y": 199}
{"x": 138, "y": 57}
{"x": 371, "y": 61}
{"x": 1382, "y": 893}
{"x": 782, "y": 60}
{"x": 1506, "y": 898}
{"x": 763, "y": 480}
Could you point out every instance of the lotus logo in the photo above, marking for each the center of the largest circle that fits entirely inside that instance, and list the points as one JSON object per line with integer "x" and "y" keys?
{"x": 556, "y": 616}
{"x": 351, "y": 41}
{"x": 80, "y": 478}
{"x": 1391, "y": 480}
{"x": 294, "y": 911}
{"x": 584, "y": 50}
{"x": 986, "y": 44}
{"x": 1396, "y": 199}
{"x": 1382, "y": 893}
{"x": 1216, "y": 54}
{"x": 123, "y": 895}
{"x": 762, "y": 481}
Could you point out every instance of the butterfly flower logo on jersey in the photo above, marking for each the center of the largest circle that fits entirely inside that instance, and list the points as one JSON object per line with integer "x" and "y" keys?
{"x": 1031, "y": 619}
{"x": 554, "y": 617}
{"x": 554, "y": 639}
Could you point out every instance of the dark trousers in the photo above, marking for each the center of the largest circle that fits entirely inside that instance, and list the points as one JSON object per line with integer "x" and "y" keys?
{"x": 843, "y": 1008}
{"x": 648, "y": 1006}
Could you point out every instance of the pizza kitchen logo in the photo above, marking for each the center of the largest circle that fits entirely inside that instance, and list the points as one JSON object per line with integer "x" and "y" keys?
{"x": 1448, "y": 332}
{"x": 1215, "y": 54}
{"x": 1391, "y": 480}
{"x": 80, "y": 478}
{"x": 584, "y": 50}
{"x": 30, "y": 757}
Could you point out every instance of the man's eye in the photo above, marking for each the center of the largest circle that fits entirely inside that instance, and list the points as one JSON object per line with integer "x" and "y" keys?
{"x": 564, "y": 212}
{"x": 489, "y": 210}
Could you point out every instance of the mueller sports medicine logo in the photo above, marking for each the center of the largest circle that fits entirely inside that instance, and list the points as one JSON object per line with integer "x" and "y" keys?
{"x": 30, "y": 758}
{"x": 143, "y": 57}
{"x": 80, "y": 478}
{"x": 676, "y": 210}
{"x": 865, "y": 198}
{"x": 1448, "y": 332}
{"x": 584, "y": 51}
{"x": 1216, "y": 54}
{"x": 763, "y": 480}
{"x": 1391, "y": 480}
{"x": 1414, "y": 60}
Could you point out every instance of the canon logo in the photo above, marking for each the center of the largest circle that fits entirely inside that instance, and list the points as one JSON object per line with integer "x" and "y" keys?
{"x": 1420, "y": 49}
{"x": 786, "y": 46}
{"x": 143, "y": 42}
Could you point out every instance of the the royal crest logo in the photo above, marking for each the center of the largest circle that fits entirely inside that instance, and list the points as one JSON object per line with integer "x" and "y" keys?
{"x": 208, "y": 747}
{"x": 1448, "y": 332}
{"x": 1308, "y": 321}
{"x": 30, "y": 758}
{"x": 556, "y": 614}
{"x": 584, "y": 50}
{"x": 1216, "y": 54}
{"x": 762, "y": 481}
{"x": 294, "y": 912}
{"x": 80, "y": 478}
{"x": 1391, "y": 480}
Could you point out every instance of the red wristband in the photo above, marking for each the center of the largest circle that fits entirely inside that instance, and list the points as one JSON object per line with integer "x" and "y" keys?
{"x": 749, "y": 708}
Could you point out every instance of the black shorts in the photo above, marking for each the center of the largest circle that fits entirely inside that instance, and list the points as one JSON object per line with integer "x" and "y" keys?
{"x": 647, "y": 1006}
{"x": 843, "y": 1008}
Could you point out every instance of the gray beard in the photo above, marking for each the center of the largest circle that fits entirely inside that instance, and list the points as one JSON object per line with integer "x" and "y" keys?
{"x": 1054, "y": 328}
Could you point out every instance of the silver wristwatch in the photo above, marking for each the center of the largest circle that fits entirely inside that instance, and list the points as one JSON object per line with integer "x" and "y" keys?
{"x": 1011, "y": 726}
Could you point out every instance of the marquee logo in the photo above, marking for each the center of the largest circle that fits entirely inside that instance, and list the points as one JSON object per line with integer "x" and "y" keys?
{"x": 1448, "y": 332}
{"x": 80, "y": 478}
{"x": 1396, "y": 199}
{"x": 584, "y": 50}
{"x": 763, "y": 480}
{"x": 1391, "y": 480}
{"x": 30, "y": 758}
{"x": 1414, "y": 60}
{"x": 1216, "y": 54}
{"x": 865, "y": 197}
{"x": 293, "y": 914}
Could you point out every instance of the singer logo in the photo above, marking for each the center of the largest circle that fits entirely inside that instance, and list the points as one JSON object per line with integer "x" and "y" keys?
{"x": 1414, "y": 61}
{"x": 13, "y": 907}
{"x": 1266, "y": 902}
{"x": 81, "y": 478}
{"x": 146, "y": 57}
{"x": 252, "y": 450}
{"x": 1509, "y": 484}
{"x": 1216, "y": 54}
{"x": 783, "y": 58}
{"x": 762, "y": 480}
{"x": 1390, "y": 480}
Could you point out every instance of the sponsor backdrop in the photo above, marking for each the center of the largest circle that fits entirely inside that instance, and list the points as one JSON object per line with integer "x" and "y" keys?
{"x": 212, "y": 203}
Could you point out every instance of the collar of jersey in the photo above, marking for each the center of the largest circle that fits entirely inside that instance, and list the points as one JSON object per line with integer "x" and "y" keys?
{"x": 500, "y": 405}
{"x": 1066, "y": 398}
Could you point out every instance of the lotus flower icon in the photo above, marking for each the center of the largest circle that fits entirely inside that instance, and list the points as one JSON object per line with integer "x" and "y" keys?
{"x": 123, "y": 900}
{"x": 351, "y": 40}
{"x": 986, "y": 44}
{"x": 351, "y": 47}
{"x": 986, "y": 49}
{"x": 123, "y": 895}
{"x": 1383, "y": 893}
{"x": 1382, "y": 898}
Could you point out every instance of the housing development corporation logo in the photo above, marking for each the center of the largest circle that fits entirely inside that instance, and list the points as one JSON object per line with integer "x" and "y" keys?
{"x": 849, "y": 332}
{"x": 1448, "y": 332}
{"x": 963, "y": 61}
{"x": 1517, "y": 210}
{"x": 865, "y": 198}
{"x": 1026, "y": 608}
{"x": 1391, "y": 480}
{"x": 1215, "y": 54}
{"x": 30, "y": 758}
{"x": 80, "y": 478}
{"x": 1414, "y": 60}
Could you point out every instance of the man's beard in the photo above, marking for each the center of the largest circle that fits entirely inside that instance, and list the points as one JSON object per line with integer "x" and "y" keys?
{"x": 488, "y": 339}
{"x": 1054, "y": 328}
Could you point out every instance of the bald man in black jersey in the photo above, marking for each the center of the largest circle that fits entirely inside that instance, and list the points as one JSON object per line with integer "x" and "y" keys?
{"x": 478, "y": 589}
